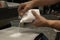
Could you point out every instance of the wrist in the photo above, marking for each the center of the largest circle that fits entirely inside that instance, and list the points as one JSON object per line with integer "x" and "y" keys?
{"x": 46, "y": 23}
{"x": 50, "y": 23}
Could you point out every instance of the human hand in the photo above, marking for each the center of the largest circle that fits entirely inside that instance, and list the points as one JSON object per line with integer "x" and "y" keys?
{"x": 39, "y": 20}
{"x": 24, "y": 7}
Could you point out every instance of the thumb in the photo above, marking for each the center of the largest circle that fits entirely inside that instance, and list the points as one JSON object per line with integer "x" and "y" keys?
{"x": 35, "y": 14}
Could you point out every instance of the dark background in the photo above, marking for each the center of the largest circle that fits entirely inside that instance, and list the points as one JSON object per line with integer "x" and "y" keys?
{"x": 18, "y": 1}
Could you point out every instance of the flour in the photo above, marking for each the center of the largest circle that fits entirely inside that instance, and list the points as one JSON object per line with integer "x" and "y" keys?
{"x": 15, "y": 35}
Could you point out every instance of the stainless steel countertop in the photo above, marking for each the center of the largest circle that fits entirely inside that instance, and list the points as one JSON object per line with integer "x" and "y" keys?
{"x": 25, "y": 33}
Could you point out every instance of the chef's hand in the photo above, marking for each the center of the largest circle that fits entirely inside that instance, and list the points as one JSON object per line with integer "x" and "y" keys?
{"x": 28, "y": 5}
{"x": 39, "y": 20}
{"x": 25, "y": 7}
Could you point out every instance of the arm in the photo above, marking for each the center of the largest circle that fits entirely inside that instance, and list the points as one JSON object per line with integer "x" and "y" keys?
{"x": 30, "y": 4}
{"x": 45, "y": 2}
{"x": 40, "y": 21}
{"x": 54, "y": 24}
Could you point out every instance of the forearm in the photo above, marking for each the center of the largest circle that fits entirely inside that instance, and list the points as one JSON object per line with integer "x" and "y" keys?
{"x": 45, "y": 2}
{"x": 54, "y": 24}
{"x": 50, "y": 23}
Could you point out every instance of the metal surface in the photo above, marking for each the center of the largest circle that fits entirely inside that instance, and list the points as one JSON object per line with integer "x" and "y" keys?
{"x": 19, "y": 33}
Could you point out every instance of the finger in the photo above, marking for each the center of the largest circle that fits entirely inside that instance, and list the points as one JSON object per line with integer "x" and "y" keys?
{"x": 35, "y": 23}
{"x": 20, "y": 8}
{"x": 26, "y": 9}
{"x": 35, "y": 15}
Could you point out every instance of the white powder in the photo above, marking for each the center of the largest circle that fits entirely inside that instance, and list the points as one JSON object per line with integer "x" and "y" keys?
{"x": 15, "y": 35}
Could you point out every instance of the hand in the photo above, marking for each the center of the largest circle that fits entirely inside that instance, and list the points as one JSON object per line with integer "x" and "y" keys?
{"x": 25, "y": 7}
{"x": 39, "y": 20}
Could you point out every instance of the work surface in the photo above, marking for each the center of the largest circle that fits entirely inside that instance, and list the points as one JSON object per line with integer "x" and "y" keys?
{"x": 19, "y": 33}
{"x": 14, "y": 33}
